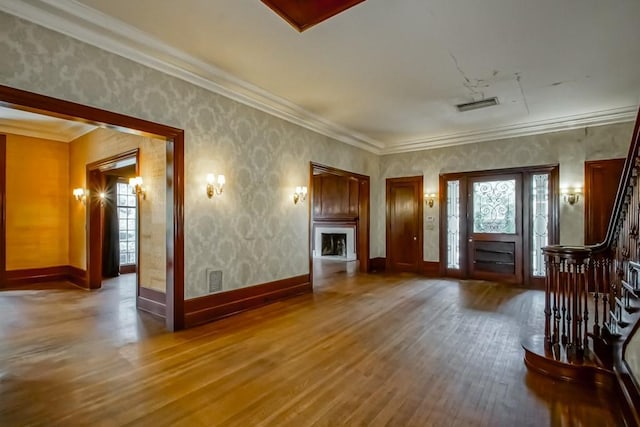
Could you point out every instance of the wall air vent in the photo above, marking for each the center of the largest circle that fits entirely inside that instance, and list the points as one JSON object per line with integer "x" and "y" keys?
{"x": 489, "y": 102}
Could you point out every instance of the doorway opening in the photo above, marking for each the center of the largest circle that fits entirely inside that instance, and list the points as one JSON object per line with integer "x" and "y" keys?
{"x": 339, "y": 222}
{"x": 171, "y": 302}
{"x": 493, "y": 224}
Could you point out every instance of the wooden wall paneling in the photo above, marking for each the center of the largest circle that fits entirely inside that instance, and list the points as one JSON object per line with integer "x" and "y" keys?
{"x": 3, "y": 209}
{"x": 601, "y": 179}
{"x": 174, "y": 137}
{"x": 334, "y": 201}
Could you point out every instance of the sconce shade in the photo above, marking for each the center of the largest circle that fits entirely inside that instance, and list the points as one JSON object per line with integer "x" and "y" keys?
{"x": 136, "y": 187}
{"x": 430, "y": 199}
{"x": 215, "y": 187}
{"x": 300, "y": 194}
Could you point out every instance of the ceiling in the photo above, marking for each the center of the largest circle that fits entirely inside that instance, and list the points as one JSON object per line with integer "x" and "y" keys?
{"x": 385, "y": 76}
{"x": 19, "y": 122}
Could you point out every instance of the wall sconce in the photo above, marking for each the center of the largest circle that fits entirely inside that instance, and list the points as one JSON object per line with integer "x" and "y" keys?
{"x": 80, "y": 195}
{"x": 300, "y": 194}
{"x": 572, "y": 195}
{"x": 430, "y": 199}
{"x": 215, "y": 187}
{"x": 137, "y": 188}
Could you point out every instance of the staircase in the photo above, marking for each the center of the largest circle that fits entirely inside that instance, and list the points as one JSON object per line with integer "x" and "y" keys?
{"x": 592, "y": 303}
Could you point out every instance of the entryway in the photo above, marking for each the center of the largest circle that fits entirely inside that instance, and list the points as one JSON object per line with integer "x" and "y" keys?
{"x": 494, "y": 223}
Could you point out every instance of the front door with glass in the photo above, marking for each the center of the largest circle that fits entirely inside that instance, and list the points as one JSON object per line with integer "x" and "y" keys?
{"x": 495, "y": 228}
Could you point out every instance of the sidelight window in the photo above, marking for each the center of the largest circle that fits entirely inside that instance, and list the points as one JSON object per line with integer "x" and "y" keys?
{"x": 453, "y": 224}
{"x": 127, "y": 223}
{"x": 540, "y": 221}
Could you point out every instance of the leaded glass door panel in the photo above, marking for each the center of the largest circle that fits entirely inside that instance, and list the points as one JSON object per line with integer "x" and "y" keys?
{"x": 494, "y": 224}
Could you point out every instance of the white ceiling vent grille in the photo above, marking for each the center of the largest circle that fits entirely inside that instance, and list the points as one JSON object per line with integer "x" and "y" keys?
{"x": 489, "y": 102}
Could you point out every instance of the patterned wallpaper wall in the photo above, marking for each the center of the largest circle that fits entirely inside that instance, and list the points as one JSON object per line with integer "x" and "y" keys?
{"x": 568, "y": 148}
{"x": 254, "y": 232}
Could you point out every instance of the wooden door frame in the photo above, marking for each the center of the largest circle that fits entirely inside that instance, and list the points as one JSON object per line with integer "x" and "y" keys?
{"x": 174, "y": 141}
{"x": 95, "y": 218}
{"x": 554, "y": 216}
{"x": 362, "y": 223}
{"x": 3, "y": 210}
{"x": 420, "y": 202}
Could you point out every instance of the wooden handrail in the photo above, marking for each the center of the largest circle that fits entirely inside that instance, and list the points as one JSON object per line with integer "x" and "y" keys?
{"x": 592, "y": 299}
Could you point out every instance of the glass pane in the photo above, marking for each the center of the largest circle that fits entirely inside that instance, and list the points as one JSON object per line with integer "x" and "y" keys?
{"x": 131, "y": 246}
{"x": 131, "y": 213}
{"x": 123, "y": 246}
{"x": 122, "y": 200}
{"x": 494, "y": 207}
{"x": 131, "y": 201}
{"x": 453, "y": 224}
{"x": 540, "y": 221}
{"x": 123, "y": 258}
{"x": 122, "y": 224}
{"x": 132, "y": 258}
{"x": 131, "y": 224}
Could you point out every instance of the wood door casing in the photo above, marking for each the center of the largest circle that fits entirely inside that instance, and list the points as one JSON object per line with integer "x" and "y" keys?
{"x": 601, "y": 180}
{"x": 404, "y": 224}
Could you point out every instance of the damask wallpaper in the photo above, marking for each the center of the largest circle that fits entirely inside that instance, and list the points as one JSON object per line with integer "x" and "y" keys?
{"x": 253, "y": 232}
{"x": 570, "y": 149}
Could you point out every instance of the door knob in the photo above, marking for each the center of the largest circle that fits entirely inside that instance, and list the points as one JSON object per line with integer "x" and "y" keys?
{"x": 470, "y": 239}
{"x": 415, "y": 238}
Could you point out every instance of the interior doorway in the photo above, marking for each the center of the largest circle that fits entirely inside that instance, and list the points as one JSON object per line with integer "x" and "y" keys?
{"x": 339, "y": 221}
{"x": 404, "y": 224}
{"x": 494, "y": 223}
{"x": 169, "y": 303}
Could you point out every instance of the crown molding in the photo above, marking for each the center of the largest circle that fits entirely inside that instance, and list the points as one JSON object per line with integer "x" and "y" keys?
{"x": 598, "y": 118}
{"x": 95, "y": 28}
{"x": 65, "y": 136}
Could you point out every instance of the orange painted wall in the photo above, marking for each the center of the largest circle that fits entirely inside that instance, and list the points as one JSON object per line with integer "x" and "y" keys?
{"x": 37, "y": 203}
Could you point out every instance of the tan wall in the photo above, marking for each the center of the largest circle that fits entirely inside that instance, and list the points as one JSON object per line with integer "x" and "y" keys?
{"x": 37, "y": 203}
{"x": 153, "y": 213}
{"x": 104, "y": 143}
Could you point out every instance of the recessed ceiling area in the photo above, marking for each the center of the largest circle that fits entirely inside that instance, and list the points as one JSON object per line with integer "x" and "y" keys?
{"x": 385, "y": 76}
{"x": 303, "y": 15}
{"x": 25, "y": 123}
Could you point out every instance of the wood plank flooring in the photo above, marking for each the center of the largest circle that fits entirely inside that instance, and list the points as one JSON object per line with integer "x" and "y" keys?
{"x": 363, "y": 350}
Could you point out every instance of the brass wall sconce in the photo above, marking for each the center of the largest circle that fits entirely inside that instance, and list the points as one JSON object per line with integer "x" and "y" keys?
{"x": 430, "y": 199}
{"x": 136, "y": 187}
{"x": 300, "y": 195}
{"x": 215, "y": 187}
{"x": 80, "y": 194}
{"x": 572, "y": 195}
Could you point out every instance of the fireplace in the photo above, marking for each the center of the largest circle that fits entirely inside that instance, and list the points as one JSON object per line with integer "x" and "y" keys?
{"x": 336, "y": 242}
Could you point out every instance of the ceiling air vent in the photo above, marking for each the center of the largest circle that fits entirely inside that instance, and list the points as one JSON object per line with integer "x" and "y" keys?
{"x": 489, "y": 102}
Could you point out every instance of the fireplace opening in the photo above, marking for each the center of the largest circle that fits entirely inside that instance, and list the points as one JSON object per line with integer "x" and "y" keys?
{"x": 334, "y": 244}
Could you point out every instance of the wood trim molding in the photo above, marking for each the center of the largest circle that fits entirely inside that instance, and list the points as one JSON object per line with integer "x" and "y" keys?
{"x": 152, "y": 301}
{"x": 3, "y": 209}
{"x": 77, "y": 276}
{"x": 431, "y": 268}
{"x": 377, "y": 265}
{"x": 46, "y": 274}
{"x": 211, "y": 307}
{"x": 174, "y": 137}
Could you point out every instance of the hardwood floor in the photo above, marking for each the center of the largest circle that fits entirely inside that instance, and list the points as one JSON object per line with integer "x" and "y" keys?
{"x": 362, "y": 350}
